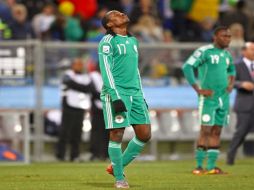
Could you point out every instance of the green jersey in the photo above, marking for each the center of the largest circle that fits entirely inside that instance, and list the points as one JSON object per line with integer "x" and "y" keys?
{"x": 118, "y": 59}
{"x": 214, "y": 66}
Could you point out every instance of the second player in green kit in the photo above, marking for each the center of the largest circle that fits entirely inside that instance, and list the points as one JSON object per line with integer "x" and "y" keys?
{"x": 214, "y": 66}
{"x": 216, "y": 73}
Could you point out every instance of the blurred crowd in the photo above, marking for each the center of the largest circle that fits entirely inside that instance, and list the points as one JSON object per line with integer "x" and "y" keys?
{"x": 151, "y": 20}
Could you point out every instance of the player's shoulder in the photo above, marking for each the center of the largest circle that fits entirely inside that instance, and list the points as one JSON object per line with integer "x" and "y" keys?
{"x": 227, "y": 52}
{"x": 202, "y": 50}
{"x": 106, "y": 45}
{"x": 107, "y": 39}
{"x": 133, "y": 38}
{"x": 206, "y": 48}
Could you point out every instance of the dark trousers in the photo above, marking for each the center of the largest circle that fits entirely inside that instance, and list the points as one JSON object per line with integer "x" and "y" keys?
{"x": 70, "y": 133}
{"x": 99, "y": 137}
{"x": 243, "y": 127}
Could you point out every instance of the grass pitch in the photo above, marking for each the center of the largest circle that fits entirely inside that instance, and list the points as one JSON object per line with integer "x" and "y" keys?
{"x": 166, "y": 175}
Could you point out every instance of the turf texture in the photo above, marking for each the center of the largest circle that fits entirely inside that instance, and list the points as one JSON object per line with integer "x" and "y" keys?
{"x": 165, "y": 175}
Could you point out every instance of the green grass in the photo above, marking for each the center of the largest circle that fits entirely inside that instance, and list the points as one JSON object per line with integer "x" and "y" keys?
{"x": 172, "y": 175}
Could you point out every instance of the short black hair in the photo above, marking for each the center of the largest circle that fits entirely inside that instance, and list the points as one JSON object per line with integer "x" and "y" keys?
{"x": 219, "y": 28}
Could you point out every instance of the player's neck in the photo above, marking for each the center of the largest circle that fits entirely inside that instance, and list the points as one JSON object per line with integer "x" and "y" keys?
{"x": 121, "y": 31}
{"x": 218, "y": 46}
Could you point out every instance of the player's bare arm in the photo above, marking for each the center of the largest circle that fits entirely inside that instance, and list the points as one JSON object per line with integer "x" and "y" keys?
{"x": 231, "y": 80}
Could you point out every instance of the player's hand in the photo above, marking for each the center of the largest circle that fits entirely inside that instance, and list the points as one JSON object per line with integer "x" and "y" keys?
{"x": 246, "y": 85}
{"x": 230, "y": 88}
{"x": 204, "y": 92}
{"x": 119, "y": 106}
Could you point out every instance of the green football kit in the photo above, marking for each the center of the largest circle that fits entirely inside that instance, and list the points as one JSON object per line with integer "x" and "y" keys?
{"x": 214, "y": 67}
{"x": 118, "y": 60}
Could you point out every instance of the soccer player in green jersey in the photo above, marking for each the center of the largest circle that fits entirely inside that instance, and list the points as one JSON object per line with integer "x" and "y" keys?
{"x": 216, "y": 74}
{"x": 122, "y": 97}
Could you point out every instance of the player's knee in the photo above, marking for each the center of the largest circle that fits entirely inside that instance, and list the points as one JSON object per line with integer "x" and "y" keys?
{"x": 116, "y": 135}
{"x": 148, "y": 137}
{"x": 145, "y": 137}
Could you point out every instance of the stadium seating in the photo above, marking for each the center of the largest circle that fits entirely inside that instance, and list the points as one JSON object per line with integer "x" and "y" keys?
{"x": 170, "y": 127}
{"x": 190, "y": 124}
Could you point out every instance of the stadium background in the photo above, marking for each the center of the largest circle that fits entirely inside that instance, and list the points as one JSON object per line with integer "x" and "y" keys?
{"x": 35, "y": 51}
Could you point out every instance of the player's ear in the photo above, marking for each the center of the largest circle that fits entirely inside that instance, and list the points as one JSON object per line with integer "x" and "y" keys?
{"x": 109, "y": 24}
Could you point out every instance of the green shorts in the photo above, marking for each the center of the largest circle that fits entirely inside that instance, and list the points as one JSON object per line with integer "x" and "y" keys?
{"x": 137, "y": 112}
{"x": 214, "y": 110}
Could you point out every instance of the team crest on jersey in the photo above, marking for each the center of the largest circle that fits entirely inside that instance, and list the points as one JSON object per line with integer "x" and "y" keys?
{"x": 105, "y": 49}
{"x": 135, "y": 48}
{"x": 227, "y": 61}
{"x": 119, "y": 119}
{"x": 197, "y": 54}
{"x": 206, "y": 118}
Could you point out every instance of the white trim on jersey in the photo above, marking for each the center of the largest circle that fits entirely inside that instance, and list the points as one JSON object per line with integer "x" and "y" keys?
{"x": 107, "y": 39}
{"x": 109, "y": 74}
{"x": 201, "y": 105}
{"x": 109, "y": 112}
{"x": 140, "y": 83}
{"x": 110, "y": 77}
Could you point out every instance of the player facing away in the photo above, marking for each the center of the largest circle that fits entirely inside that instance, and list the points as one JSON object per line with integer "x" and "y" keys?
{"x": 122, "y": 97}
{"x": 216, "y": 74}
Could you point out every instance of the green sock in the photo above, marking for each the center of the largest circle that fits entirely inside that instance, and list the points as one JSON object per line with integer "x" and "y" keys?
{"x": 200, "y": 155}
{"x": 115, "y": 155}
{"x": 133, "y": 149}
{"x": 212, "y": 155}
